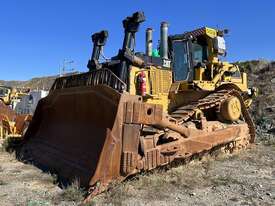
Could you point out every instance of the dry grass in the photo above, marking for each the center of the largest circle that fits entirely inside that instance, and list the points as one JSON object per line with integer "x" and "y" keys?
{"x": 1, "y": 169}
{"x": 270, "y": 142}
{"x": 73, "y": 192}
{"x": 11, "y": 144}
{"x": 38, "y": 203}
{"x": 224, "y": 180}
{"x": 160, "y": 184}
{"x": 2, "y": 182}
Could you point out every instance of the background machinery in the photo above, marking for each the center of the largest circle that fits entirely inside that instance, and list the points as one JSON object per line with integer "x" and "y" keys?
{"x": 11, "y": 124}
{"x": 136, "y": 112}
{"x": 6, "y": 94}
{"x": 10, "y": 96}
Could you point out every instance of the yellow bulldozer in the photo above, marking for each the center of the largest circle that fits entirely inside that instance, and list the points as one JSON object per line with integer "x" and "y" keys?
{"x": 139, "y": 111}
{"x": 8, "y": 95}
{"x": 11, "y": 124}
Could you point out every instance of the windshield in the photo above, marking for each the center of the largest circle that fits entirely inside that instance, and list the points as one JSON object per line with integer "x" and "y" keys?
{"x": 180, "y": 60}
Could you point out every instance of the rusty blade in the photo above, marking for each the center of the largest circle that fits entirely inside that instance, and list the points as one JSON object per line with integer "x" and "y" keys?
{"x": 76, "y": 132}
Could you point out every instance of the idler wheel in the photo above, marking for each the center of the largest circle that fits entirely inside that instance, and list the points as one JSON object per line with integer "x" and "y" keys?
{"x": 231, "y": 109}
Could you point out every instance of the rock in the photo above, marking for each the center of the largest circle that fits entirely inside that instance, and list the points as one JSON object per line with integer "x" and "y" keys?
{"x": 178, "y": 198}
{"x": 192, "y": 194}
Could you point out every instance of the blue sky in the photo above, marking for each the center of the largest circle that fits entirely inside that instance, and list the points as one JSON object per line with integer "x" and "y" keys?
{"x": 36, "y": 35}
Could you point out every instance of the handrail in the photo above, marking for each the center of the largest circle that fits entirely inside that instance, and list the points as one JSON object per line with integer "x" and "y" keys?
{"x": 102, "y": 76}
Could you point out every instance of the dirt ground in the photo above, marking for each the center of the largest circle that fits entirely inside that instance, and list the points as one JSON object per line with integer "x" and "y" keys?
{"x": 244, "y": 178}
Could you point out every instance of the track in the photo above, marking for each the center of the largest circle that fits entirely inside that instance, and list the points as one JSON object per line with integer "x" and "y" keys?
{"x": 214, "y": 100}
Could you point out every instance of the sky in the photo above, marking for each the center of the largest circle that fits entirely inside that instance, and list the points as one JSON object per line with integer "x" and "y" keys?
{"x": 36, "y": 36}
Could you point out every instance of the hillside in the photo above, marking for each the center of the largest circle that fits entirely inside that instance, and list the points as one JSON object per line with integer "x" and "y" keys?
{"x": 261, "y": 74}
{"x": 34, "y": 83}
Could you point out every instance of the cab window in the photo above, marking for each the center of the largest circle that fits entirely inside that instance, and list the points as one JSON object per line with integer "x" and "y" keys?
{"x": 199, "y": 53}
{"x": 180, "y": 60}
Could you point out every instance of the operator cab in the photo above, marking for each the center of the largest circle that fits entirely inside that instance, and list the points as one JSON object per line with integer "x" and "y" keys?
{"x": 4, "y": 91}
{"x": 194, "y": 49}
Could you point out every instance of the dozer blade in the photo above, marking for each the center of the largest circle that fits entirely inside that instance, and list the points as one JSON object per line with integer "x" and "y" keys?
{"x": 76, "y": 133}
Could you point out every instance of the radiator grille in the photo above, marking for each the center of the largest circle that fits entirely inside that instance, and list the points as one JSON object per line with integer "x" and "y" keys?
{"x": 161, "y": 81}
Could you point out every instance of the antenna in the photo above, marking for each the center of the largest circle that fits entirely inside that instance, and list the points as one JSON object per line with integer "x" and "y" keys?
{"x": 63, "y": 68}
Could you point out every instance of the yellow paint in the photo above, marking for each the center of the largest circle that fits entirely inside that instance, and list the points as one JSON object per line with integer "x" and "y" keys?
{"x": 162, "y": 90}
{"x": 158, "y": 83}
{"x": 1, "y": 132}
{"x": 199, "y": 73}
{"x": 212, "y": 33}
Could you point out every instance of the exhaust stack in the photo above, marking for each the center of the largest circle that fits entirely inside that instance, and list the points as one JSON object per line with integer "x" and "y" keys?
{"x": 149, "y": 42}
{"x": 164, "y": 44}
{"x": 164, "y": 40}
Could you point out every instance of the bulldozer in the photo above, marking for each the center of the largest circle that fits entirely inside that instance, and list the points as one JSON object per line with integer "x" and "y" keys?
{"x": 6, "y": 114}
{"x": 9, "y": 95}
{"x": 5, "y": 94}
{"x": 138, "y": 111}
{"x": 11, "y": 124}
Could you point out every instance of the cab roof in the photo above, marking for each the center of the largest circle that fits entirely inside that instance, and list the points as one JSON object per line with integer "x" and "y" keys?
{"x": 212, "y": 33}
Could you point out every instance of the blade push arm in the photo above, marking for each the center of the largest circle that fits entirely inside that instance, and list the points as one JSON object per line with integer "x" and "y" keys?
{"x": 99, "y": 40}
